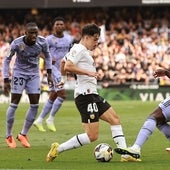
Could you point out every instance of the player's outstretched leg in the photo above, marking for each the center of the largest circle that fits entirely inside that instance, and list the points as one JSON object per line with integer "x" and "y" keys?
{"x": 128, "y": 151}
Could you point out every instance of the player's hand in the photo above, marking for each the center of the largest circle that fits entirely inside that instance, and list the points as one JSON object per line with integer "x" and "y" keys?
{"x": 7, "y": 88}
{"x": 93, "y": 74}
{"x": 53, "y": 62}
{"x": 50, "y": 80}
{"x": 60, "y": 85}
{"x": 159, "y": 73}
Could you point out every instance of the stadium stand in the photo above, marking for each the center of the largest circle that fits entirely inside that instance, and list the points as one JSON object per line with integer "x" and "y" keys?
{"x": 134, "y": 41}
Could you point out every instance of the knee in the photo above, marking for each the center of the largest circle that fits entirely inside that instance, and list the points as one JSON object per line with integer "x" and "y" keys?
{"x": 93, "y": 137}
{"x": 63, "y": 97}
{"x": 114, "y": 121}
{"x": 158, "y": 116}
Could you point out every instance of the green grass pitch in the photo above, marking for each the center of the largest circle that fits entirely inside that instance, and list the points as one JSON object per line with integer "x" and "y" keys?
{"x": 132, "y": 114}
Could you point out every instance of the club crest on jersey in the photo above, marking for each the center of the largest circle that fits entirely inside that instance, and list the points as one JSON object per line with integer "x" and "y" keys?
{"x": 22, "y": 47}
{"x": 92, "y": 116}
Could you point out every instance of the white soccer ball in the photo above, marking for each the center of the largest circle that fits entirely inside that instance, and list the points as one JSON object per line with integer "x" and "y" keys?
{"x": 103, "y": 152}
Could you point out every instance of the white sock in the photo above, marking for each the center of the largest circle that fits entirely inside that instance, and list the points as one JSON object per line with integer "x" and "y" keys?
{"x": 75, "y": 142}
{"x": 136, "y": 147}
{"x": 50, "y": 119}
{"x": 39, "y": 120}
{"x": 118, "y": 136}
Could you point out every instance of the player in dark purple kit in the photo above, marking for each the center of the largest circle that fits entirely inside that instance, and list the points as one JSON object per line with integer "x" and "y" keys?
{"x": 25, "y": 76}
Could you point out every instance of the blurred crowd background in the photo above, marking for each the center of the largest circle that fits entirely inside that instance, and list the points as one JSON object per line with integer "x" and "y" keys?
{"x": 134, "y": 40}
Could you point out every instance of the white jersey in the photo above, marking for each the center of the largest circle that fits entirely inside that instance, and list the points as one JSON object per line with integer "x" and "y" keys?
{"x": 82, "y": 58}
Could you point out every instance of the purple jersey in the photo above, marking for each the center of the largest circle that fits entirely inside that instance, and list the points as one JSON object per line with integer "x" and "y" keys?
{"x": 27, "y": 57}
{"x": 58, "y": 49}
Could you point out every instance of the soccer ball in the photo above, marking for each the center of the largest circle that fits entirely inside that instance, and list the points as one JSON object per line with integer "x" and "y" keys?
{"x": 103, "y": 152}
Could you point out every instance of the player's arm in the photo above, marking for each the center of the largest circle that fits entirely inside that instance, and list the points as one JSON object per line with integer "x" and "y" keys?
{"x": 48, "y": 63}
{"x": 49, "y": 78}
{"x": 71, "y": 67}
{"x": 161, "y": 73}
{"x": 6, "y": 64}
{"x": 63, "y": 73}
{"x": 49, "y": 70}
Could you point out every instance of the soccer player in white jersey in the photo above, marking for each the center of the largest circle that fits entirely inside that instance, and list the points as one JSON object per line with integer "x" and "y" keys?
{"x": 59, "y": 44}
{"x": 159, "y": 118}
{"x": 25, "y": 75}
{"x": 91, "y": 106}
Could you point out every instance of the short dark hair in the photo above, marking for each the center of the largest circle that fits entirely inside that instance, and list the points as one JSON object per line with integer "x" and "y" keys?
{"x": 31, "y": 24}
{"x": 58, "y": 19}
{"x": 90, "y": 29}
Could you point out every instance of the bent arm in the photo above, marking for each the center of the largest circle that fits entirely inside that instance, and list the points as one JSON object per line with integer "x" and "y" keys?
{"x": 167, "y": 73}
{"x": 70, "y": 67}
{"x": 62, "y": 65}
{"x": 6, "y": 65}
{"x": 161, "y": 72}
